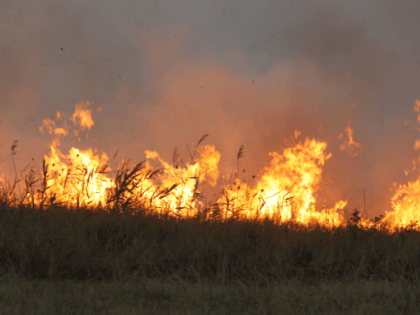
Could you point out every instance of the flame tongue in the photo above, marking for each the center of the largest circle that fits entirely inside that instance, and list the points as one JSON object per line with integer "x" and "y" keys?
{"x": 185, "y": 180}
{"x": 81, "y": 181}
{"x": 286, "y": 188}
{"x": 284, "y": 191}
{"x": 406, "y": 200}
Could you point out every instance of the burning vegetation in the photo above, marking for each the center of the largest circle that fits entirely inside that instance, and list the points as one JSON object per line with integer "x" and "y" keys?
{"x": 80, "y": 193}
{"x": 285, "y": 190}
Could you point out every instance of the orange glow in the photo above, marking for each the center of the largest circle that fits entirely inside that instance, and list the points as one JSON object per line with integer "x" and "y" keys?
{"x": 183, "y": 198}
{"x": 350, "y": 145}
{"x": 406, "y": 200}
{"x": 76, "y": 179}
{"x": 405, "y": 204}
{"x": 285, "y": 190}
{"x": 48, "y": 125}
{"x": 82, "y": 116}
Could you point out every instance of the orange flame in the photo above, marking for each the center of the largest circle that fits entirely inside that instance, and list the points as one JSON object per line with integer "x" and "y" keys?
{"x": 350, "y": 145}
{"x": 285, "y": 190}
{"x": 405, "y": 204}
{"x": 182, "y": 198}
{"x": 82, "y": 117}
{"x": 406, "y": 200}
{"x": 81, "y": 181}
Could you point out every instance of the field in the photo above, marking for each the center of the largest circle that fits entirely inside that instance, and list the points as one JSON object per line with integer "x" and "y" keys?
{"x": 59, "y": 260}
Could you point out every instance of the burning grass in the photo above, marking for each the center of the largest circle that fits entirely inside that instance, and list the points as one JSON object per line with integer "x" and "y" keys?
{"x": 284, "y": 191}
{"x": 77, "y": 220}
{"x": 145, "y": 233}
{"x": 68, "y": 225}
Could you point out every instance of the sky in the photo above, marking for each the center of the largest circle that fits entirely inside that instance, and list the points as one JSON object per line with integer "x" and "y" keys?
{"x": 249, "y": 73}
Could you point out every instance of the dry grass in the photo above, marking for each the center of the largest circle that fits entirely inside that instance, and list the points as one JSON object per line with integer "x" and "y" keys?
{"x": 62, "y": 243}
{"x": 172, "y": 295}
{"x": 126, "y": 258}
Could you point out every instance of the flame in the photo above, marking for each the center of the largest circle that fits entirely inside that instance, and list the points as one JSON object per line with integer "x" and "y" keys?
{"x": 286, "y": 187}
{"x": 183, "y": 197}
{"x": 350, "y": 145}
{"x": 406, "y": 200}
{"x": 81, "y": 181}
{"x": 285, "y": 190}
{"x": 405, "y": 204}
{"x": 77, "y": 178}
{"x": 80, "y": 178}
{"x": 82, "y": 117}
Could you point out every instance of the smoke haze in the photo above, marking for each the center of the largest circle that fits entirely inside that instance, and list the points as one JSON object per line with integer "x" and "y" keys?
{"x": 246, "y": 72}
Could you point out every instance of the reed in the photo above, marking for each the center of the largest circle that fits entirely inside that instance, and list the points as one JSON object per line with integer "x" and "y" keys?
{"x": 127, "y": 238}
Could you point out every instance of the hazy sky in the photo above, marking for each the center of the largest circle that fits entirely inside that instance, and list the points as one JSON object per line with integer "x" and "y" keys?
{"x": 166, "y": 72}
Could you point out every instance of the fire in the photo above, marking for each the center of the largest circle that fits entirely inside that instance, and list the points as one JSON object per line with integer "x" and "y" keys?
{"x": 350, "y": 145}
{"x": 185, "y": 181}
{"x": 81, "y": 177}
{"x": 285, "y": 190}
{"x": 77, "y": 178}
{"x": 406, "y": 200}
{"x": 405, "y": 204}
{"x": 81, "y": 181}
{"x": 82, "y": 116}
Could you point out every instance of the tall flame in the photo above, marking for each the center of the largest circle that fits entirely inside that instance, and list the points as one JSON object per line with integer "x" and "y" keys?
{"x": 406, "y": 200}
{"x": 285, "y": 190}
{"x": 286, "y": 187}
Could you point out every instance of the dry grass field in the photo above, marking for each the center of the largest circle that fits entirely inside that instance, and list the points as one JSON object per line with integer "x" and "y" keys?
{"x": 58, "y": 260}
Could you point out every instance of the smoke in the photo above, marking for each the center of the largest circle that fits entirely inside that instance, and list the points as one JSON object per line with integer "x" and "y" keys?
{"x": 246, "y": 72}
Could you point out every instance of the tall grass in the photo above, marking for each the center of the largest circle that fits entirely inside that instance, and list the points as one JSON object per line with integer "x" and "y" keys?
{"x": 126, "y": 238}
{"x": 62, "y": 243}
